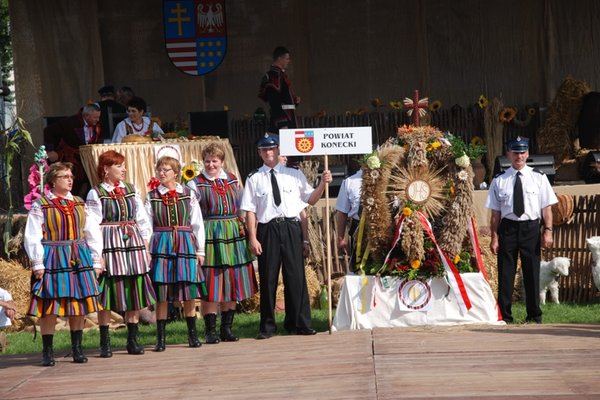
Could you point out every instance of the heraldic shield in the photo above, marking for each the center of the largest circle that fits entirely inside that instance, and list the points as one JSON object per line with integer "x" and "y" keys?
{"x": 195, "y": 34}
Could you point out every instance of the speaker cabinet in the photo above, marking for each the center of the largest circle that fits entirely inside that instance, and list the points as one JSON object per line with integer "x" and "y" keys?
{"x": 542, "y": 162}
{"x": 209, "y": 123}
{"x": 589, "y": 121}
{"x": 591, "y": 167}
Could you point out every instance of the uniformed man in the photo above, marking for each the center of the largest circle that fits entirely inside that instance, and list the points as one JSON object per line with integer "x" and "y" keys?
{"x": 347, "y": 206}
{"x": 519, "y": 198}
{"x": 273, "y": 198}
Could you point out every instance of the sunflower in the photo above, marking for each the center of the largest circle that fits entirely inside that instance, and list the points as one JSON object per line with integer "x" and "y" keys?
{"x": 531, "y": 111}
{"x": 477, "y": 141}
{"x": 397, "y": 105}
{"x": 435, "y": 105}
{"x": 188, "y": 173}
{"x": 507, "y": 114}
{"x": 415, "y": 264}
{"x": 407, "y": 211}
{"x": 482, "y": 102}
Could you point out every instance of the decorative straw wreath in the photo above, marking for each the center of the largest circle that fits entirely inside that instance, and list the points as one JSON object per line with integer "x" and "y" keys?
{"x": 417, "y": 194}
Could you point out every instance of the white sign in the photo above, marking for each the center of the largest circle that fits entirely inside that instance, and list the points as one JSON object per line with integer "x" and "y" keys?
{"x": 321, "y": 141}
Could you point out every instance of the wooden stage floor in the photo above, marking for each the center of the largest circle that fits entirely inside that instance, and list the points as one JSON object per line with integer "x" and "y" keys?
{"x": 474, "y": 362}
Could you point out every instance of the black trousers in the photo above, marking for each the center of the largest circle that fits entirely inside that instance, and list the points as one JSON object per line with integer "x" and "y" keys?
{"x": 281, "y": 242}
{"x": 519, "y": 238}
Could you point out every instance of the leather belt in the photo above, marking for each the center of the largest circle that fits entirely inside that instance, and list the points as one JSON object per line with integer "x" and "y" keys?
{"x": 278, "y": 220}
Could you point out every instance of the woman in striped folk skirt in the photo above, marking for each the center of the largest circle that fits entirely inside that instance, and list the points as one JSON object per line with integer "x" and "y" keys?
{"x": 177, "y": 248}
{"x": 65, "y": 250}
{"x": 125, "y": 284}
{"x": 228, "y": 263}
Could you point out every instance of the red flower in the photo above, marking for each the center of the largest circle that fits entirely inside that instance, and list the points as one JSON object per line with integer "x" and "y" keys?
{"x": 153, "y": 183}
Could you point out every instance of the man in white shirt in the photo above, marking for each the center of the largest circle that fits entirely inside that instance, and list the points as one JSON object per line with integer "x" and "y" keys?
{"x": 347, "y": 205}
{"x": 274, "y": 196}
{"x": 519, "y": 197}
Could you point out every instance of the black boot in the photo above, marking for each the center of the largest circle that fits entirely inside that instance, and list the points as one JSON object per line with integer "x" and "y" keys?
{"x": 226, "y": 323}
{"x": 47, "y": 353}
{"x": 133, "y": 345}
{"x": 76, "y": 349}
{"x": 160, "y": 335}
{"x": 192, "y": 334}
{"x": 210, "y": 329}
{"x": 105, "y": 350}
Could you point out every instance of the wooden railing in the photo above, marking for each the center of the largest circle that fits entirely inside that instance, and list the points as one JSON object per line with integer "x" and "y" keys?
{"x": 463, "y": 122}
{"x": 569, "y": 241}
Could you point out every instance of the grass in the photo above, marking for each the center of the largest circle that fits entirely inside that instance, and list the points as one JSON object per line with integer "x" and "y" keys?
{"x": 246, "y": 326}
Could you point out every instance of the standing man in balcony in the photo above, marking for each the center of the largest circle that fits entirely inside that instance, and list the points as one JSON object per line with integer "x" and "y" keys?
{"x": 519, "y": 197}
{"x": 276, "y": 89}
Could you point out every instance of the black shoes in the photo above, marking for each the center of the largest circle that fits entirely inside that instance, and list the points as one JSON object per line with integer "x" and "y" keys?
{"x": 105, "y": 349}
{"x": 160, "y": 335}
{"x": 306, "y": 332}
{"x": 263, "y": 335}
{"x": 48, "y": 353}
{"x": 133, "y": 345}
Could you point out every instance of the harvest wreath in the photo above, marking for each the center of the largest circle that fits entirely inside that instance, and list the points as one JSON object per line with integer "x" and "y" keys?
{"x": 417, "y": 201}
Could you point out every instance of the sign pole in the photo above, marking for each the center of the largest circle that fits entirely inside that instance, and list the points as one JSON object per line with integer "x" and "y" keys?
{"x": 322, "y": 142}
{"x": 328, "y": 241}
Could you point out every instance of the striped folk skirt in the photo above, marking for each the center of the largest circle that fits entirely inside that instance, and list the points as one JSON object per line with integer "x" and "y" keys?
{"x": 126, "y": 293}
{"x": 228, "y": 265}
{"x": 69, "y": 286}
{"x": 175, "y": 271}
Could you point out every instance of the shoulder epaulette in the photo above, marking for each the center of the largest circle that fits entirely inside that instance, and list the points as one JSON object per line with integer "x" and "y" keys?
{"x": 539, "y": 171}
{"x": 252, "y": 173}
{"x": 499, "y": 173}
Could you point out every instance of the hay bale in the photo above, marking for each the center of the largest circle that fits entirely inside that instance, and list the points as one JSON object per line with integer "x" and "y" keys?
{"x": 17, "y": 280}
{"x": 314, "y": 290}
{"x": 558, "y": 133}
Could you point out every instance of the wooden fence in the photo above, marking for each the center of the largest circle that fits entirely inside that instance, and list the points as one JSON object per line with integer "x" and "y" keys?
{"x": 569, "y": 241}
{"x": 463, "y": 122}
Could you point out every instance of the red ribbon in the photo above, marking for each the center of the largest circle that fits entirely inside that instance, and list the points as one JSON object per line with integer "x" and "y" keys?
{"x": 456, "y": 282}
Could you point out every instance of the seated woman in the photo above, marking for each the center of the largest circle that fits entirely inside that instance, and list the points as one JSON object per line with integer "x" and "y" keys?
{"x": 136, "y": 123}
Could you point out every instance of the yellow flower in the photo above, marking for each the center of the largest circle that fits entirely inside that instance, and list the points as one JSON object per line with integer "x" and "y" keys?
{"x": 531, "y": 111}
{"x": 429, "y": 147}
{"x": 407, "y": 211}
{"x": 482, "y": 102}
{"x": 396, "y": 104}
{"x": 507, "y": 114}
{"x": 436, "y": 105}
{"x": 456, "y": 259}
{"x": 436, "y": 145}
{"x": 188, "y": 173}
{"x": 477, "y": 141}
{"x": 415, "y": 264}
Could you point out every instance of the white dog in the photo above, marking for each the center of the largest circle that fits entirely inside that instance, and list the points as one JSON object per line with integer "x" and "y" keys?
{"x": 550, "y": 273}
{"x": 593, "y": 244}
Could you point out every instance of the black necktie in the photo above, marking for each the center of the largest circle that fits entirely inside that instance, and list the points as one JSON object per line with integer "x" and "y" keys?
{"x": 275, "y": 187}
{"x": 518, "y": 203}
